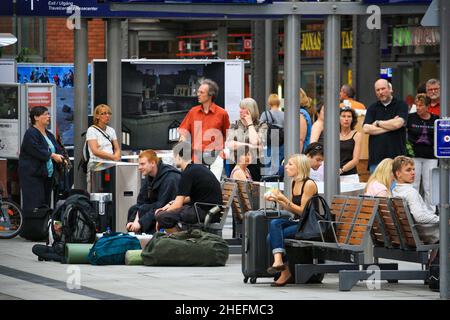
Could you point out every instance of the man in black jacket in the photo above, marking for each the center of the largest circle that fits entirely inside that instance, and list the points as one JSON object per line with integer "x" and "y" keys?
{"x": 159, "y": 187}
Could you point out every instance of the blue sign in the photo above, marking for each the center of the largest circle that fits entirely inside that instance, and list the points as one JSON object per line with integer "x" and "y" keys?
{"x": 6, "y": 8}
{"x": 396, "y": 1}
{"x": 442, "y": 138}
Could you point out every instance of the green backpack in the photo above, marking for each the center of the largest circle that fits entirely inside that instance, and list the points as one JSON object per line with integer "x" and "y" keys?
{"x": 185, "y": 248}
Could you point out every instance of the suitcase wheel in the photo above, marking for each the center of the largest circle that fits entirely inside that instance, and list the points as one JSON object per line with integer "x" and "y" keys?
{"x": 252, "y": 280}
{"x": 245, "y": 279}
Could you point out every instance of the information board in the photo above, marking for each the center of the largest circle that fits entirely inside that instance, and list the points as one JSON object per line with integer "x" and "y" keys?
{"x": 442, "y": 138}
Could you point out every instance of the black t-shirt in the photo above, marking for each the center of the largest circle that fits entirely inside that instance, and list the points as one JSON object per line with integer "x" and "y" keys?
{"x": 421, "y": 135}
{"x": 200, "y": 184}
{"x": 392, "y": 143}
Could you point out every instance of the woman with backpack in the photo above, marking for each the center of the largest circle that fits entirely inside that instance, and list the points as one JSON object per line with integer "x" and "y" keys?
{"x": 274, "y": 118}
{"x": 39, "y": 158}
{"x": 101, "y": 140}
{"x": 303, "y": 188}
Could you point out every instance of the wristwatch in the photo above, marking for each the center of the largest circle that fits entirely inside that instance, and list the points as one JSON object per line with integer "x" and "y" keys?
{"x": 377, "y": 123}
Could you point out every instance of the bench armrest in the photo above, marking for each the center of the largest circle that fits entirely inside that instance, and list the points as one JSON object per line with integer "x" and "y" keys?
{"x": 212, "y": 205}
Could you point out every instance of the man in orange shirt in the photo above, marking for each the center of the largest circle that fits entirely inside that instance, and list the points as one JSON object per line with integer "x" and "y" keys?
{"x": 205, "y": 127}
{"x": 433, "y": 88}
{"x": 346, "y": 96}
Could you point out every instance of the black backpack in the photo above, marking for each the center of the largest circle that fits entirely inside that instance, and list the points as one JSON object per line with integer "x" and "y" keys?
{"x": 272, "y": 126}
{"x": 76, "y": 220}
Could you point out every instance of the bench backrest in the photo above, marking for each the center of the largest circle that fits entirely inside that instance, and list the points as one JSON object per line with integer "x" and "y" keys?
{"x": 354, "y": 218}
{"x": 246, "y": 199}
{"x": 409, "y": 238}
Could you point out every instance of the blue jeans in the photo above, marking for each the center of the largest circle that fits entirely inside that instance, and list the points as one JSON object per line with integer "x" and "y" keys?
{"x": 279, "y": 230}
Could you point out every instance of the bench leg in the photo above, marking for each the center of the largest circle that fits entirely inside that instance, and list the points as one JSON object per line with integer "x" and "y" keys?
{"x": 348, "y": 278}
{"x": 304, "y": 272}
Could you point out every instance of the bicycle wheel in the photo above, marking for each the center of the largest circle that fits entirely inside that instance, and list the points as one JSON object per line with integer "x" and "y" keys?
{"x": 10, "y": 219}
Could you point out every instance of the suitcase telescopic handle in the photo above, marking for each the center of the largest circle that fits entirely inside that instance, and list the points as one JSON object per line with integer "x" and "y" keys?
{"x": 266, "y": 179}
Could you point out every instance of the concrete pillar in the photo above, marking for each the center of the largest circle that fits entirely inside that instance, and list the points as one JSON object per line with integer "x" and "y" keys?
{"x": 366, "y": 60}
{"x": 222, "y": 40}
{"x": 133, "y": 44}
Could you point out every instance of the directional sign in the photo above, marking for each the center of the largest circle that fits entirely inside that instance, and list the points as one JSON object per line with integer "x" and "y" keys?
{"x": 87, "y": 9}
{"x": 442, "y": 138}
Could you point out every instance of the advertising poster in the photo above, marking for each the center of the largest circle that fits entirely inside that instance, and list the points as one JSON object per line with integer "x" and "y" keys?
{"x": 156, "y": 94}
{"x": 42, "y": 95}
{"x": 9, "y": 138}
{"x": 9, "y": 121}
{"x": 62, "y": 75}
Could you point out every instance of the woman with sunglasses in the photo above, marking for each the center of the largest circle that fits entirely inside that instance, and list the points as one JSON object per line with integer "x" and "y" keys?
{"x": 39, "y": 157}
{"x": 101, "y": 139}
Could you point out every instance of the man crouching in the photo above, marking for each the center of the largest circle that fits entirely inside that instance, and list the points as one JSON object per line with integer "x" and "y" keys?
{"x": 159, "y": 187}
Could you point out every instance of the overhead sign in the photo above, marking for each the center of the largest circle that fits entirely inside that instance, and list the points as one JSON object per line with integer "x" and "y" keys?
{"x": 442, "y": 138}
{"x": 87, "y": 9}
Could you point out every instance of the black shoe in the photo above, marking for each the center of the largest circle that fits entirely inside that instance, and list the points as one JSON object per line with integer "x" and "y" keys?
{"x": 46, "y": 253}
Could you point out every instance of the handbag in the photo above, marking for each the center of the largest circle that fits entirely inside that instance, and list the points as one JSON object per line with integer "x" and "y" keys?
{"x": 185, "y": 248}
{"x": 315, "y": 222}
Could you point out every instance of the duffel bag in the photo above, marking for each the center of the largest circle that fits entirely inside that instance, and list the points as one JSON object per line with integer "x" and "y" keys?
{"x": 111, "y": 248}
{"x": 185, "y": 248}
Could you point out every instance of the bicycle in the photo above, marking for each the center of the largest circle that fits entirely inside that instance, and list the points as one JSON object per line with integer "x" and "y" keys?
{"x": 10, "y": 218}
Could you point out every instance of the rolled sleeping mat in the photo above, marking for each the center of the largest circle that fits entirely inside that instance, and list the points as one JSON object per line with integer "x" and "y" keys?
{"x": 77, "y": 253}
{"x": 133, "y": 258}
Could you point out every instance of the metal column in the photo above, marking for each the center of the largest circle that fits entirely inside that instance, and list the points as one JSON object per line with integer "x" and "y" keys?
{"x": 258, "y": 64}
{"x": 444, "y": 210}
{"x": 114, "y": 82}
{"x": 291, "y": 89}
{"x": 332, "y": 81}
{"x": 268, "y": 49}
{"x": 81, "y": 99}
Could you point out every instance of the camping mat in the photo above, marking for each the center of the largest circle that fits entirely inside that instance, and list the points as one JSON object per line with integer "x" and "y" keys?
{"x": 77, "y": 253}
{"x": 133, "y": 258}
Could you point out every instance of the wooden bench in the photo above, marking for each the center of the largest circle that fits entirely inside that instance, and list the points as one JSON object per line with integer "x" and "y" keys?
{"x": 395, "y": 237}
{"x": 245, "y": 200}
{"x": 352, "y": 225}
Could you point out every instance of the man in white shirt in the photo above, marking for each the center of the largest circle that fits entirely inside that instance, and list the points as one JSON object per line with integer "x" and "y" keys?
{"x": 423, "y": 214}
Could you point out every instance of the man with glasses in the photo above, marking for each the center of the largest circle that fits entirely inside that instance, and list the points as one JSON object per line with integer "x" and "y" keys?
{"x": 433, "y": 87}
{"x": 385, "y": 123}
{"x": 205, "y": 127}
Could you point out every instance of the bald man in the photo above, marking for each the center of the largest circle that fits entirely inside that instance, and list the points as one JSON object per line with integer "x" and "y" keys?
{"x": 385, "y": 122}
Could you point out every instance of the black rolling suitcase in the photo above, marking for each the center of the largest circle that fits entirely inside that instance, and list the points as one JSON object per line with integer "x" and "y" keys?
{"x": 256, "y": 253}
